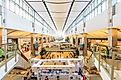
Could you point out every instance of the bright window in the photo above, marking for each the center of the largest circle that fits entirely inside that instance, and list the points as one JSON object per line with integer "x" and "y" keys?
{"x": 17, "y": 2}
{"x": 17, "y": 9}
{"x": 7, "y": 4}
{"x": 21, "y": 12}
{"x": 12, "y": 6}
{"x": 103, "y": 6}
{"x": 21, "y": 3}
{"x": 99, "y": 9}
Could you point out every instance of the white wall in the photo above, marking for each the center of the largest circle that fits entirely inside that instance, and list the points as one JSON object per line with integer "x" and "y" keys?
{"x": 117, "y": 17}
{"x": 101, "y": 20}
{"x": 80, "y": 28}
{"x": 38, "y": 28}
{"x": 14, "y": 21}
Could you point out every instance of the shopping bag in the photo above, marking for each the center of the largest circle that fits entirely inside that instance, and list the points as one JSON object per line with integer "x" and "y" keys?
{"x": 83, "y": 77}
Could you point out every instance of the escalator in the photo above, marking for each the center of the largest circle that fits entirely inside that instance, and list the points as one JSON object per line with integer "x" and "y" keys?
{"x": 23, "y": 62}
{"x": 6, "y": 67}
{"x": 16, "y": 60}
{"x": 22, "y": 55}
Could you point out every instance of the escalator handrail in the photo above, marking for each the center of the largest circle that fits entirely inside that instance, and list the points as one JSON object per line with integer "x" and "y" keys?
{"x": 21, "y": 53}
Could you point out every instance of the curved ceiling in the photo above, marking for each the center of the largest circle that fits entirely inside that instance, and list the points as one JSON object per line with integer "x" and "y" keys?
{"x": 59, "y": 14}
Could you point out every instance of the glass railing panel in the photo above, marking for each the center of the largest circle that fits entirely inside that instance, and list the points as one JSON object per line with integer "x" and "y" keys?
{"x": 107, "y": 62}
{"x": 10, "y": 53}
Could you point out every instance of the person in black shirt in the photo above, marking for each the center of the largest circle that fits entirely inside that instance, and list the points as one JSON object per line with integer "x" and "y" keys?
{"x": 46, "y": 78}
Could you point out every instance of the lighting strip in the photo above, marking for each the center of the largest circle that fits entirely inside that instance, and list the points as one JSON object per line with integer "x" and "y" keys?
{"x": 78, "y": 16}
{"x": 68, "y": 14}
{"x": 39, "y": 15}
{"x": 49, "y": 13}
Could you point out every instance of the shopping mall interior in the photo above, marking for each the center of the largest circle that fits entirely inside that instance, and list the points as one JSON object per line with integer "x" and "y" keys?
{"x": 60, "y": 39}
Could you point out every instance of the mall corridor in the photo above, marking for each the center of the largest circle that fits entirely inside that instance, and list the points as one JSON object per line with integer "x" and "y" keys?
{"x": 60, "y": 39}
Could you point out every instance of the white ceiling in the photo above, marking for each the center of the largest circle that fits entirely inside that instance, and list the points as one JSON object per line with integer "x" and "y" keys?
{"x": 59, "y": 11}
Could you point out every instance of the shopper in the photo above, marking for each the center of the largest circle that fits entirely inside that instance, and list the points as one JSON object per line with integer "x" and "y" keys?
{"x": 46, "y": 78}
{"x": 36, "y": 46}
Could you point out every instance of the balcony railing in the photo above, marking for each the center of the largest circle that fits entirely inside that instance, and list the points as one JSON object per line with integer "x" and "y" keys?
{"x": 109, "y": 59}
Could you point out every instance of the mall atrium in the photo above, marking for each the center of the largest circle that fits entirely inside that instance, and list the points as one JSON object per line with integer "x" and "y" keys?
{"x": 60, "y": 39}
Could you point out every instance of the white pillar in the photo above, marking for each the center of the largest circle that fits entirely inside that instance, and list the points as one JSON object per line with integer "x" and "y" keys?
{"x": 32, "y": 47}
{"x": 76, "y": 40}
{"x": 46, "y": 39}
{"x": 1, "y": 39}
{"x": 4, "y": 45}
{"x": 4, "y": 31}
{"x": 112, "y": 36}
{"x": 41, "y": 42}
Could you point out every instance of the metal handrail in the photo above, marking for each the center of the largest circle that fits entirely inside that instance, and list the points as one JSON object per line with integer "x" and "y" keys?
{"x": 21, "y": 53}
{"x": 114, "y": 50}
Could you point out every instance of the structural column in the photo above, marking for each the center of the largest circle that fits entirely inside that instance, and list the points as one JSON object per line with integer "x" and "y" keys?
{"x": 112, "y": 36}
{"x": 112, "y": 39}
{"x": 71, "y": 39}
{"x": 4, "y": 45}
{"x": 4, "y": 36}
{"x": 32, "y": 47}
{"x": 4, "y": 32}
{"x": 85, "y": 44}
{"x": 76, "y": 40}
{"x": 46, "y": 39}
{"x": 49, "y": 39}
{"x": 41, "y": 42}
{"x": 1, "y": 40}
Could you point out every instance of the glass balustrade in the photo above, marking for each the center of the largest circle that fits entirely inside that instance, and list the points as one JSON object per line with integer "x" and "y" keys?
{"x": 105, "y": 57}
{"x": 7, "y": 55}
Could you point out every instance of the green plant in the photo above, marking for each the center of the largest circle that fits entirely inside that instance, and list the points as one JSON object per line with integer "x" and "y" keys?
{"x": 1, "y": 52}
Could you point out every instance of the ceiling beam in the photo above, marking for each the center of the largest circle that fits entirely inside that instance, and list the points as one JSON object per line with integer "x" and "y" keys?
{"x": 52, "y": 11}
{"x": 49, "y": 13}
{"x": 54, "y": 2}
{"x": 11, "y": 32}
{"x": 34, "y": 1}
{"x": 82, "y": 1}
{"x": 78, "y": 15}
{"x": 68, "y": 14}
{"x": 39, "y": 15}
